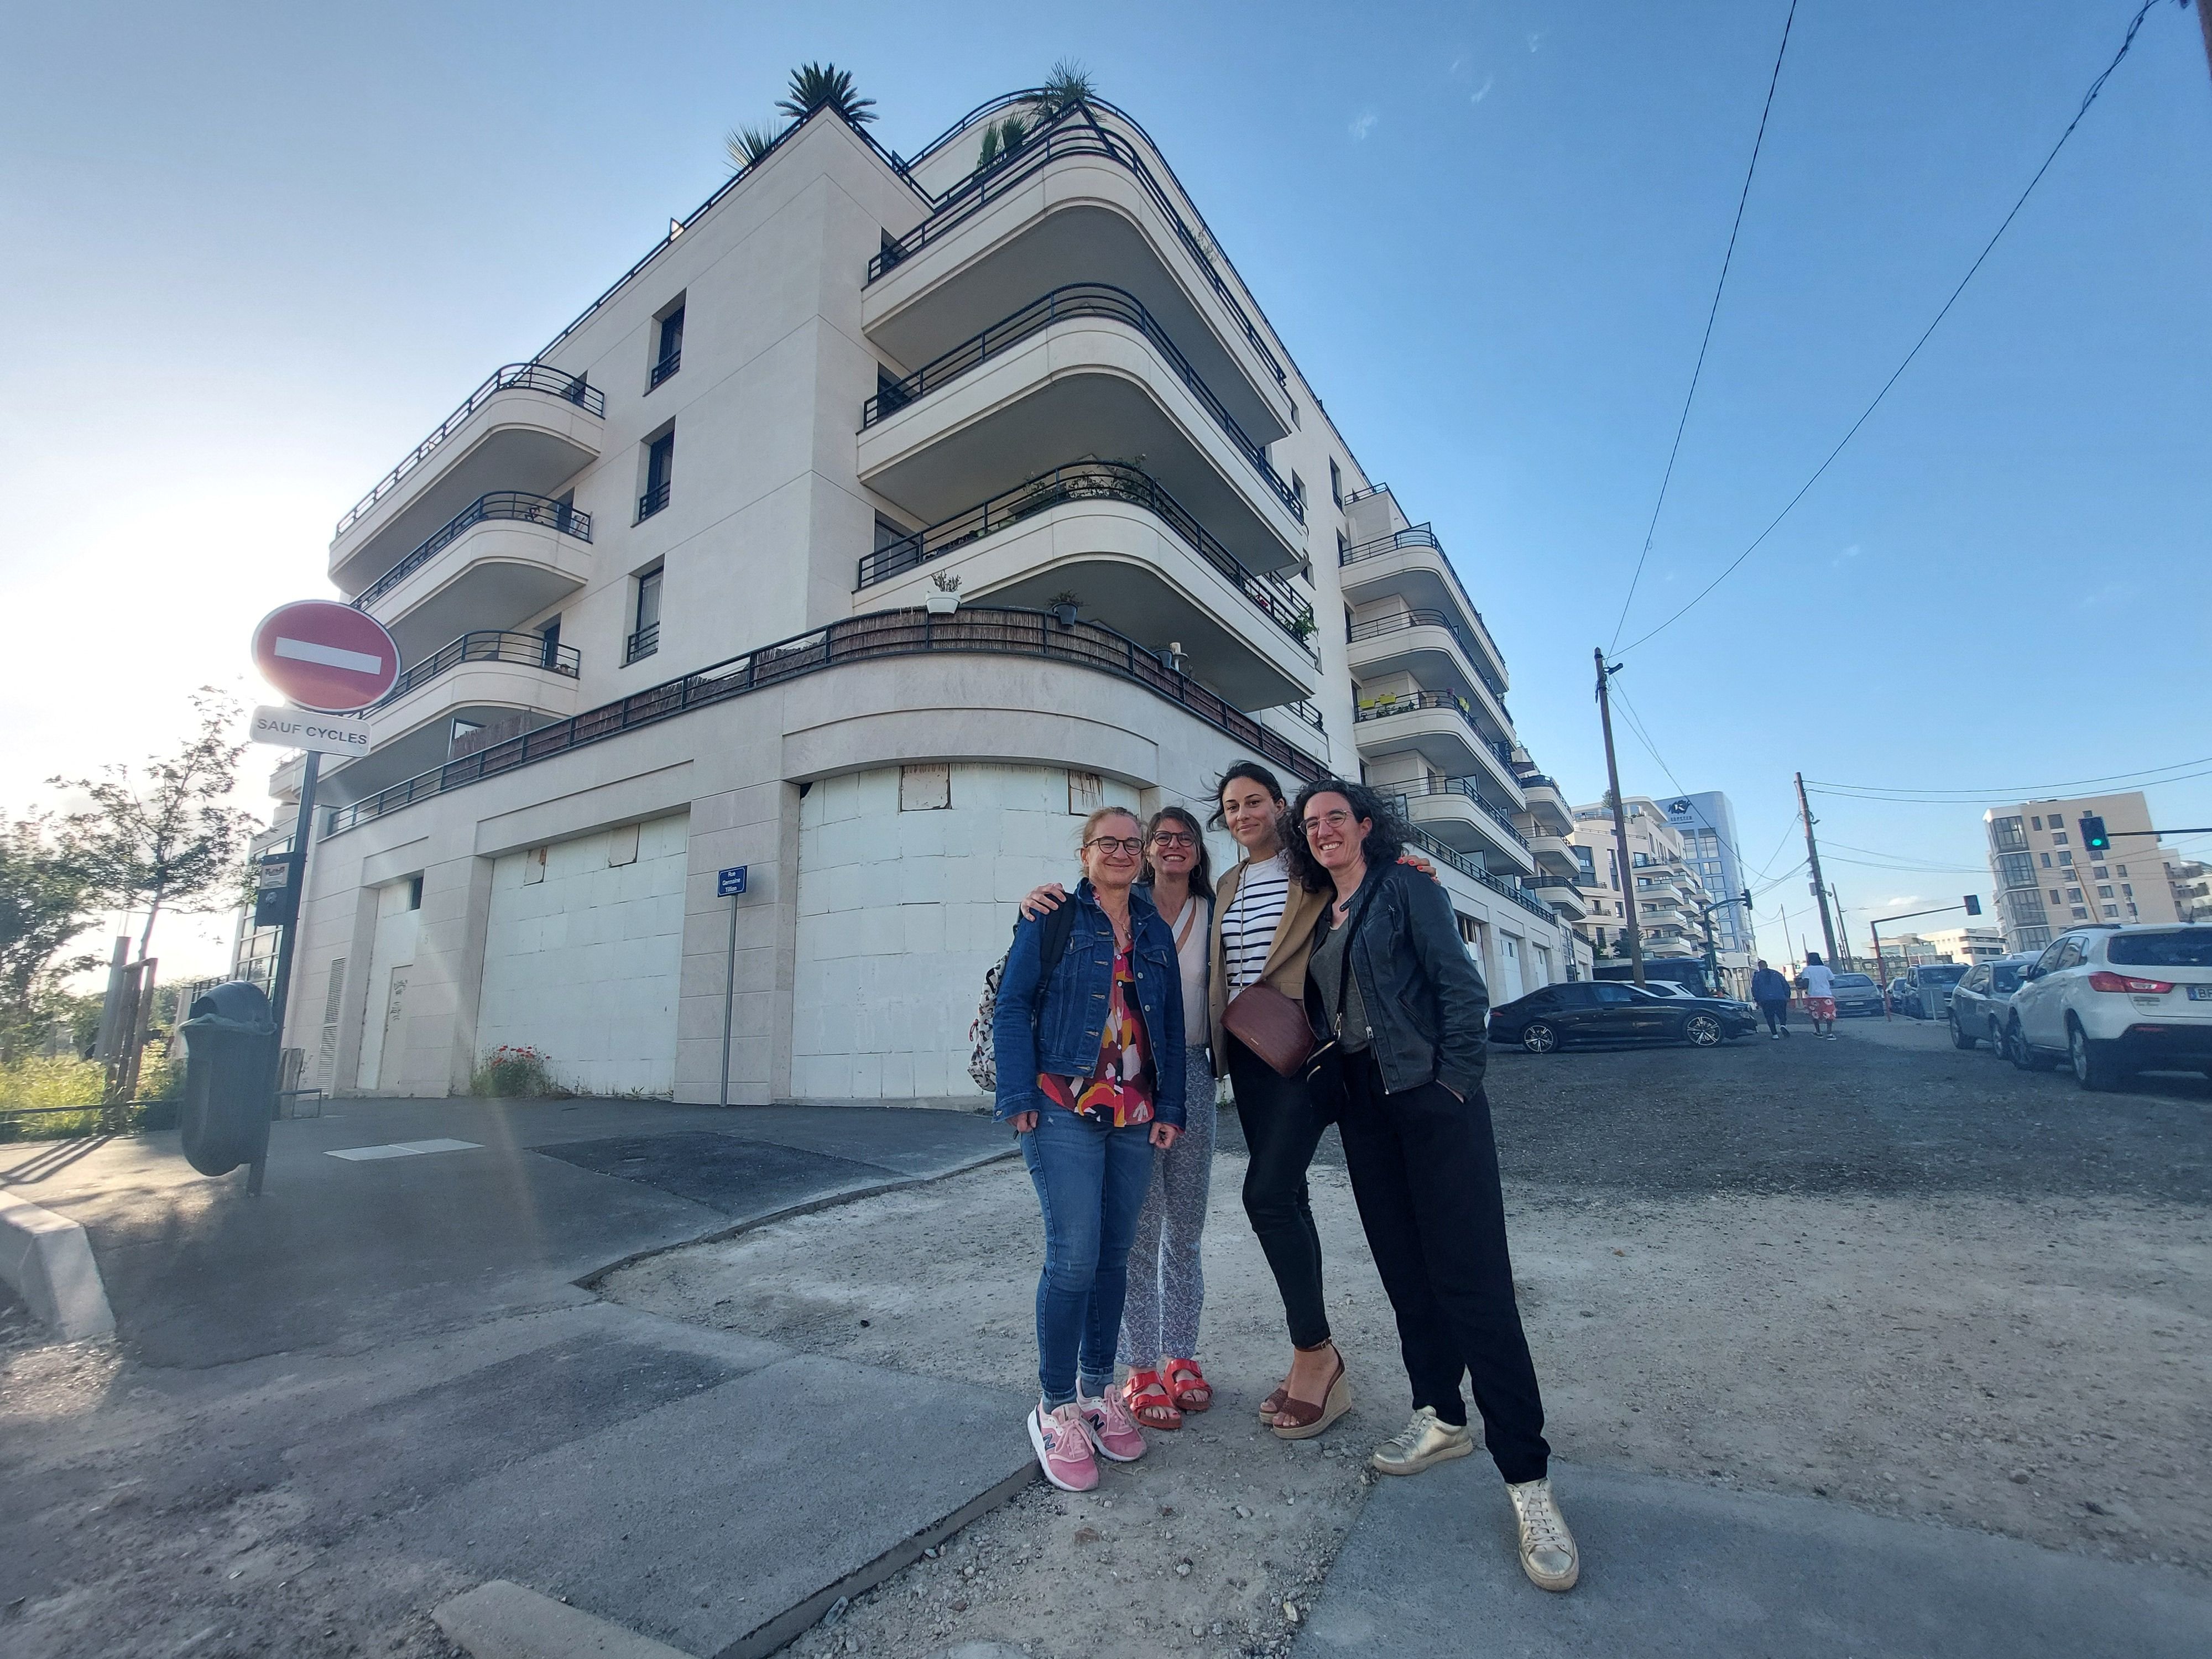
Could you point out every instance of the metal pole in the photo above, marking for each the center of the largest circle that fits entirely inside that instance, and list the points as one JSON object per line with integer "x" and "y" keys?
{"x": 303, "y": 827}
{"x": 1623, "y": 870}
{"x": 1813, "y": 857}
{"x": 1874, "y": 929}
{"x": 729, "y": 1000}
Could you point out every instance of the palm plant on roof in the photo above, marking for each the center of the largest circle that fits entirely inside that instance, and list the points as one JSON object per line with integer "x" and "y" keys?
{"x": 825, "y": 86}
{"x": 1067, "y": 86}
{"x": 748, "y": 144}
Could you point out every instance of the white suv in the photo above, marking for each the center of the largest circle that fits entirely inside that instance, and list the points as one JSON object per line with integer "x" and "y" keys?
{"x": 2114, "y": 1000}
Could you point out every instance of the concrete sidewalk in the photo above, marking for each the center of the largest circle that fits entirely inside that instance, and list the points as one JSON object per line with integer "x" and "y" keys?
{"x": 1677, "y": 1568}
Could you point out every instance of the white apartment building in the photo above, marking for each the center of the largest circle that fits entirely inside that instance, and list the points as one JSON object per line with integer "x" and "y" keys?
{"x": 1963, "y": 943}
{"x": 2047, "y": 882}
{"x": 1667, "y": 892}
{"x": 672, "y": 598}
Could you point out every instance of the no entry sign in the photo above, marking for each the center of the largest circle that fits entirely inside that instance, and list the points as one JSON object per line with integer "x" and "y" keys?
{"x": 325, "y": 656}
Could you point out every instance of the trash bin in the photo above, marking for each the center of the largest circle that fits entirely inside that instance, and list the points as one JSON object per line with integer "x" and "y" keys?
{"x": 230, "y": 1077}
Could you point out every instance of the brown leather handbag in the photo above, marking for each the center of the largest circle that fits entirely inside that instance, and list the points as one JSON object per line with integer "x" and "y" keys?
{"x": 1272, "y": 1026}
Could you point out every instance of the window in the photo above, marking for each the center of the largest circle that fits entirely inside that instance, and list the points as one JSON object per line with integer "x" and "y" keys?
{"x": 1335, "y": 484}
{"x": 2058, "y": 836}
{"x": 2080, "y": 913}
{"x": 2066, "y": 858}
{"x": 2073, "y": 896}
{"x": 667, "y": 344}
{"x": 645, "y": 617}
{"x": 2111, "y": 909}
{"x": 2098, "y": 871}
{"x": 1298, "y": 489}
{"x": 1607, "y": 994}
{"x": 415, "y": 892}
{"x": 2104, "y": 890}
{"x": 2127, "y": 890}
{"x": 2122, "y": 869}
{"x": 659, "y": 473}
{"x": 2038, "y": 823}
{"x": 2054, "y": 899}
{"x": 891, "y": 395}
{"x": 548, "y": 636}
{"x": 1343, "y": 546}
{"x": 2045, "y": 857}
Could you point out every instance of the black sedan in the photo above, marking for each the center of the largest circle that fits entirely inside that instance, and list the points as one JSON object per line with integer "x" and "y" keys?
{"x": 1603, "y": 1011}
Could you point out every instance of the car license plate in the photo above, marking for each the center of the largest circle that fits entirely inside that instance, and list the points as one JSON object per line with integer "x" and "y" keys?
{"x": 2200, "y": 994}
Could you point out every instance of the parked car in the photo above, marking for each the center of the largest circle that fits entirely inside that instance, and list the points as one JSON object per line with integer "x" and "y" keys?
{"x": 1857, "y": 994}
{"x": 1605, "y": 1011}
{"x": 1676, "y": 990}
{"x": 1923, "y": 991}
{"x": 1979, "y": 1000}
{"x": 2113, "y": 1001}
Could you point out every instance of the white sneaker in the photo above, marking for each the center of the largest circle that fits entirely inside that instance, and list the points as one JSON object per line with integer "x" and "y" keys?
{"x": 1428, "y": 1439}
{"x": 1548, "y": 1555}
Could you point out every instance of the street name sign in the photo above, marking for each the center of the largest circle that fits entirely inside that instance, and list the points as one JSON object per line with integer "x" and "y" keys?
{"x": 295, "y": 728}
{"x": 729, "y": 883}
{"x": 325, "y": 657}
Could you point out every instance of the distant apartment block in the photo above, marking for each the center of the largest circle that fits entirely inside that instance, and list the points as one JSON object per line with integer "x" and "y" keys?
{"x": 1707, "y": 823}
{"x": 1665, "y": 887}
{"x": 1966, "y": 945}
{"x": 2046, "y": 881}
{"x": 676, "y": 594}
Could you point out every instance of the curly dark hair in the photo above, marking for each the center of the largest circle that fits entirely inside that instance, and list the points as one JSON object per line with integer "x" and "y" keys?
{"x": 1244, "y": 769}
{"x": 1388, "y": 832}
{"x": 1202, "y": 874}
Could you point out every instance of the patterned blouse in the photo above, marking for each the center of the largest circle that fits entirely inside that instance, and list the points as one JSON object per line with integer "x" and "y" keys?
{"x": 1119, "y": 1091}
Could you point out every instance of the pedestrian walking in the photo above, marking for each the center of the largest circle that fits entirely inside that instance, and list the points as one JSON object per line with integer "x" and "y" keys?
{"x": 1818, "y": 983}
{"x": 1404, "y": 1009}
{"x": 1167, "y": 1285}
{"x": 1772, "y": 992}
{"x": 1090, "y": 1053}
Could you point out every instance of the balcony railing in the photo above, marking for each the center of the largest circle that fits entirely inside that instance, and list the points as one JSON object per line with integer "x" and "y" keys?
{"x": 1077, "y": 300}
{"x": 1538, "y": 781}
{"x": 1466, "y": 789}
{"x": 664, "y": 368}
{"x": 1431, "y": 847}
{"x": 1087, "y": 481}
{"x": 1074, "y": 133}
{"x": 511, "y": 504}
{"x": 1376, "y": 627}
{"x": 526, "y": 377}
{"x": 486, "y": 645}
{"x": 1306, "y": 712}
{"x": 974, "y": 630}
{"x": 643, "y": 643}
{"x": 1406, "y": 701}
{"x": 651, "y": 501}
{"x": 1421, "y": 535}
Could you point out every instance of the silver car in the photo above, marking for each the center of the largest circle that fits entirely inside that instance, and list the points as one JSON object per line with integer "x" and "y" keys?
{"x": 1979, "y": 1000}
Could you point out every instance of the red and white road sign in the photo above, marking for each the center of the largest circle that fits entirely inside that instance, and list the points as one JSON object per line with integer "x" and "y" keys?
{"x": 325, "y": 656}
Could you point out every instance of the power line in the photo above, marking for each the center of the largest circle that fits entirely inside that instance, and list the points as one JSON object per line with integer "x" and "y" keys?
{"x": 2023, "y": 791}
{"x": 1689, "y": 397}
{"x": 2088, "y": 98}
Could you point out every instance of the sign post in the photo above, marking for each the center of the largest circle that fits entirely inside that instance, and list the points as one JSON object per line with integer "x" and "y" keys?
{"x": 729, "y": 883}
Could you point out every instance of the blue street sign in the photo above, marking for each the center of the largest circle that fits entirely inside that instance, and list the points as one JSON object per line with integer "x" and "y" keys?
{"x": 729, "y": 883}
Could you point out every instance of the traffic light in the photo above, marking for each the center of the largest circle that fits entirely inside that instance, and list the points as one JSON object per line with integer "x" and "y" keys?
{"x": 1746, "y": 898}
{"x": 1973, "y": 905}
{"x": 2092, "y": 833}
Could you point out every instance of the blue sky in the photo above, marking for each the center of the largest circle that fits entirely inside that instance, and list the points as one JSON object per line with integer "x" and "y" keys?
{"x": 260, "y": 249}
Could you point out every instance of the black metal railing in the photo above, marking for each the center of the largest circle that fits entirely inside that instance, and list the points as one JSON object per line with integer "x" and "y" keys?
{"x": 1075, "y": 133}
{"x": 651, "y": 501}
{"x": 1406, "y": 702}
{"x": 1077, "y": 300}
{"x": 1466, "y": 789}
{"x": 486, "y": 645}
{"x": 1306, "y": 712}
{"x": 643, "y": 643}
{"x": 1539, "y": 780}
{"x": 511, "y": 504}
{"x": 1359, "y": 495}
{"x": 1376, "y": 627}
{"x": 1089, "y": 480}
{"x": 664, "y": 368}
{"x": 1421, "y": 535}
{"x": 514, "y": 377}
{"x": 974, "y": 630}
{"x": 1429, "y": 845}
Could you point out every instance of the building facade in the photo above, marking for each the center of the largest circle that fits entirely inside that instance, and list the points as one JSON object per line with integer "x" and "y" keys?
{"x": 2047, "y": 882}
{"x": 2190, "y": 881}
{"x": 884, "y": 519}
{"x": 1667, "y": 892}
{"x": 1707, "y": 823}
{"x": 1966, "y": 945}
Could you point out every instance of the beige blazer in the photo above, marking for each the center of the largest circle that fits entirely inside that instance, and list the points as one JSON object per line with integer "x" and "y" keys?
{"x": 1285, "y": 968}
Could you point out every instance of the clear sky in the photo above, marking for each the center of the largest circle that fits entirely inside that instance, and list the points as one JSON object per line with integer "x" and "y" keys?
{"x": 254, "y": 252}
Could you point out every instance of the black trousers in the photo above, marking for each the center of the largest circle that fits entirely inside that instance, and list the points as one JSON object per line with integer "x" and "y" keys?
{"x": 1425, "y": 1171}
{"x": 1777, "y": 1014}
{"x": 1282, "y": 1127}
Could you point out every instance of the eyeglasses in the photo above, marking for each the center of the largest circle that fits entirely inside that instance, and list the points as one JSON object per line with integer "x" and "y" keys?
{"x": 1127, "y": 846}
{"x": 1328, "y": 820}
{"x": 1174, "y": 838}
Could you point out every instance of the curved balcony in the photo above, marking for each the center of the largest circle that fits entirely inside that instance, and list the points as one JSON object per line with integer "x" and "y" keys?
{"x": 1454, "y": 811}
{"x": 502, "y": 559}
{"x": 1045, "y": 558}
{"x": 974, "y": 630}
{"x": 487, "y": 679}
{"x": 1554, "y": 852}
{"x": 1083, "y": 370}
{"x": 1076, "y": 200}
{"x": 1440, "y": 727}
{"x": 1436, "y": 650}
{"x": 1512, "y": 891}
{"x": 1411, "y": 563}
{"x": 1561, "y": 893}
{"x": 1548, "y": 802}
{"x": 528, "y": 428}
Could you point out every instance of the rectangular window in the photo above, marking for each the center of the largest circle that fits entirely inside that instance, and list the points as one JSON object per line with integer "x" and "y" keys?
{"x": 667, "y": 344}
{"x": 1343, "y": 546}
{"x": 2104, "y": 890}
{"x": 2066, "y": 858}
{"x": 2045, "y": 857}
{"x": 2038, "y": 823}
{"x": 2111, "y": 909}
{"x": 645, "y": 618}
{"x": 659, "y": 474}
{"x": 2122, "y": 869}
{"x": 2099, "y": 871}
{"x": 2080, "y": 913}
{"x": 415, "y": 892}
{"x": 2054, "y": 899}
{"x": 2127, "y": 890}
{"x": 2073, "y": 896}
{"x": 1335, "y": 482}
{"x": 2058, "y": 837}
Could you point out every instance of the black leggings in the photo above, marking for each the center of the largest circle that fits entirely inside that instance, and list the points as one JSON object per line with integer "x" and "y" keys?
{"x": 1777, "y": 1014}
{"x": 1425, "y": 1171}
{"x": 1282, "y": 1127}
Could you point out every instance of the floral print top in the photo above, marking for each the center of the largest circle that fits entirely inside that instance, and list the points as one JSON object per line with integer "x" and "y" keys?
{"x": 1119, "y": 1091}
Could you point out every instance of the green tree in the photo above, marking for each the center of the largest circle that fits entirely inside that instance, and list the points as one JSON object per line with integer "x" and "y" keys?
{"x": 166, "y": 840}
{"x": 46, "y": 903}
{"x": 825, "y": 86}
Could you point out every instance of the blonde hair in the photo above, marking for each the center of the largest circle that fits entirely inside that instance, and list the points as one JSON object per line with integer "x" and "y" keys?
{"x": 1091, "y": 824}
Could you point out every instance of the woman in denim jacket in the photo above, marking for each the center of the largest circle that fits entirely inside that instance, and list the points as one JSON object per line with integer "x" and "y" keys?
{"x": 1090, "y": 1053}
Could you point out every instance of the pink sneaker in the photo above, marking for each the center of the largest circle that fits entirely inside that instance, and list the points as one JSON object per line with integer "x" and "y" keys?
{"x": 1062, "y": 1440}
{"x": 1113, "y": 1430}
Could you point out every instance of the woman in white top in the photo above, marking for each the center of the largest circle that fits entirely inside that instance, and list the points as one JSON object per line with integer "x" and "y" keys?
{"x": 1167, "y": 1287}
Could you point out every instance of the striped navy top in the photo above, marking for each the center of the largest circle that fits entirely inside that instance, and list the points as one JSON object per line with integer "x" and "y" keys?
{"x": 1247, "y": 925}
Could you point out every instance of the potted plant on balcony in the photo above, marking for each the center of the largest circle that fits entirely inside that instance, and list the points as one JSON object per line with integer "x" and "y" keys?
{"x": 1063, "y": 607}
{"x": 946, "y": 599}
{"x": 1302, "y": 627}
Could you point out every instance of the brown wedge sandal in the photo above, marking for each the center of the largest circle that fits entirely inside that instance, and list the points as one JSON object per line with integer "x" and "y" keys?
{"x": 1308, "y": 1420}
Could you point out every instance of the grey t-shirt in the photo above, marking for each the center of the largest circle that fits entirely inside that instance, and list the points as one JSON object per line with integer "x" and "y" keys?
{"x": 1327, "y": 968}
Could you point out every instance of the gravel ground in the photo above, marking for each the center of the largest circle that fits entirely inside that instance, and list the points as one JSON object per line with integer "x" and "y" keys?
{"x": 1914, "y": 1281}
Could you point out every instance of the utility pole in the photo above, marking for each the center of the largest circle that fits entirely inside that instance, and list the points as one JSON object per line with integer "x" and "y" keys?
{"x": 1813, "y": 857}
{"x": 1623, "y": 870}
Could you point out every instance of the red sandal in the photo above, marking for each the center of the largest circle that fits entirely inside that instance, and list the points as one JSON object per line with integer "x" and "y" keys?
{"x": 1149, "y": 1401}
{"x": 1188, "y": 1384}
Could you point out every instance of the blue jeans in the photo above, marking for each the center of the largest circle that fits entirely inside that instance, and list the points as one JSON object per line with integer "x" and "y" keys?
{"x": 1090, "y": 1184}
